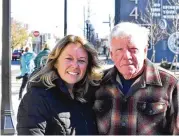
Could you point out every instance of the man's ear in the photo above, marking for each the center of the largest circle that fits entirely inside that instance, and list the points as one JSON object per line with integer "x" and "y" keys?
{"x": 145, "y": 50}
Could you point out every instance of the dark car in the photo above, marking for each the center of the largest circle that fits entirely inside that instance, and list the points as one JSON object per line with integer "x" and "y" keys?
{"x": 16, "y": 54}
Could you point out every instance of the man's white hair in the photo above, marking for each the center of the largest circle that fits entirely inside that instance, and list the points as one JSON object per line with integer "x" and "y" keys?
{"x": 137, "y": 33}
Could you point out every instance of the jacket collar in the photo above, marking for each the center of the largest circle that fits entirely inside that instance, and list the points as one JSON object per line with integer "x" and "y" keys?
{"x": 109, "y": 74}
{"x": 150, "y": 75}
{"x": 60, "y": 84}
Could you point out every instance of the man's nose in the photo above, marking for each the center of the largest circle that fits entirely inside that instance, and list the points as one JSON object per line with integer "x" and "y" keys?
{"x": 127, "y": 54}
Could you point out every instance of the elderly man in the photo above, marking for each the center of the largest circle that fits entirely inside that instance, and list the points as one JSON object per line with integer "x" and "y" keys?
{"x": 136, "y": 97}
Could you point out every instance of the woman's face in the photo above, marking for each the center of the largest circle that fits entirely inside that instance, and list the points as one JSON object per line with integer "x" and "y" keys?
{"x": 72, "y": 63}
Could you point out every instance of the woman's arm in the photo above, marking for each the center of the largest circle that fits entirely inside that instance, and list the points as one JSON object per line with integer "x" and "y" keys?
{"x": 32, "y": 114}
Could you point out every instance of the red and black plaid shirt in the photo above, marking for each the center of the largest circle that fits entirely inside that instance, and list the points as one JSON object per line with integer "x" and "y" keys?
{"x": 151, "y": 107}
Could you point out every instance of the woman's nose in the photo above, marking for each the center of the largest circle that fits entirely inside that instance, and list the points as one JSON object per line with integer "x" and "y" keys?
{"x": 75, "y": 64}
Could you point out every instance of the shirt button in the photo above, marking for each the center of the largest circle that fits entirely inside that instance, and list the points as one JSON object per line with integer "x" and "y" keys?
{"x": 150, "y": 111}
{"x": 125, "y": 100}
{"x": 143, "y": 106}
{"x": 123, "y": 124}
{"x": 160, "y": 107}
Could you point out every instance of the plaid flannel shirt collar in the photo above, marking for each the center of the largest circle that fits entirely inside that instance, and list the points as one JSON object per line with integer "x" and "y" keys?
{"x": 150, "y": 75}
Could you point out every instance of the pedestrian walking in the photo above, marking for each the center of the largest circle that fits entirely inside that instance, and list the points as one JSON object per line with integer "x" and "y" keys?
{"x": 27, "y": 67}
{"x": 42, "y": 56}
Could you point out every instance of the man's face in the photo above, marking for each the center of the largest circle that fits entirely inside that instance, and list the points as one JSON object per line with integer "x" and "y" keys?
{"x": 128, "y": 56}
{"x": 72, "y": 63}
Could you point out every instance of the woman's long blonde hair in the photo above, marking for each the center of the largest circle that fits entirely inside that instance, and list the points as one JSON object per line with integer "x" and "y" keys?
{"x": 47, "y": 74}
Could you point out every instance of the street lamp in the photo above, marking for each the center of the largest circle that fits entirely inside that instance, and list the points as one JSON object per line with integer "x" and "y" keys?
{"x": 7, "y": 118}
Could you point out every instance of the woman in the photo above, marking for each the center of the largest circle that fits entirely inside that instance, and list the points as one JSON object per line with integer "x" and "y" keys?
{"x": 56, "y": 102}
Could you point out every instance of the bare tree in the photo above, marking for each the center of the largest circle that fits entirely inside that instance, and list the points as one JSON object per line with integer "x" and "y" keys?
{"x": 157, "y": 33}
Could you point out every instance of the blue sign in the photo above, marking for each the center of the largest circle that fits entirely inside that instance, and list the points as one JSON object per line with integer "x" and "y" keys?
{"x": 159, "y": 13}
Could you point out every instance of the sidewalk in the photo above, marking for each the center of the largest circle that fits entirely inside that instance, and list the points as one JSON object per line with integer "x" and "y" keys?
{"x": 15, "y": 91}
{"x": 15, "y": 85}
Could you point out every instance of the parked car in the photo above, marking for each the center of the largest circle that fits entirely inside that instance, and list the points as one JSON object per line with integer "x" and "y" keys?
{"x": 16, "y": 54}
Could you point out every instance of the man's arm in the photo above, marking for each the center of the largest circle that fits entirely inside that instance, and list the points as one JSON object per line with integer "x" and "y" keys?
{"x": 175, "y": 108}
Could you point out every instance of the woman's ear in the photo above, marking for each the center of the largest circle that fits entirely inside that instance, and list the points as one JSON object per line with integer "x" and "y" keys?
{"x": 111, "y": 55}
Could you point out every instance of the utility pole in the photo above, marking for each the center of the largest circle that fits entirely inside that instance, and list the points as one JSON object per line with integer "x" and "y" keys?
{"x": 109, "y": 22}
{"x": 7, "y": 115}
{"x": 88, "y": 22}
{"x": 84, "y": 21}
{"x": 65, "y": 17}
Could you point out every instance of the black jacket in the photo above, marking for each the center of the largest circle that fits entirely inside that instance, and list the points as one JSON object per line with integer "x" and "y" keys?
{"x": 53, "y": 112}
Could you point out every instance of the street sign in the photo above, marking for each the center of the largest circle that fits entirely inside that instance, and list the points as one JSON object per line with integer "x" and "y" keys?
{"x": 36, "y": 33}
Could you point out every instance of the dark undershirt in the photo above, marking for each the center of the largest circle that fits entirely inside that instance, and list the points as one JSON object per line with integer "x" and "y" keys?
{"x": 126, "y": 84}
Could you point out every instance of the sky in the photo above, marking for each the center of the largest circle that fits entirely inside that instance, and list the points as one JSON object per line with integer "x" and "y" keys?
{"x": 48, "y": 15}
